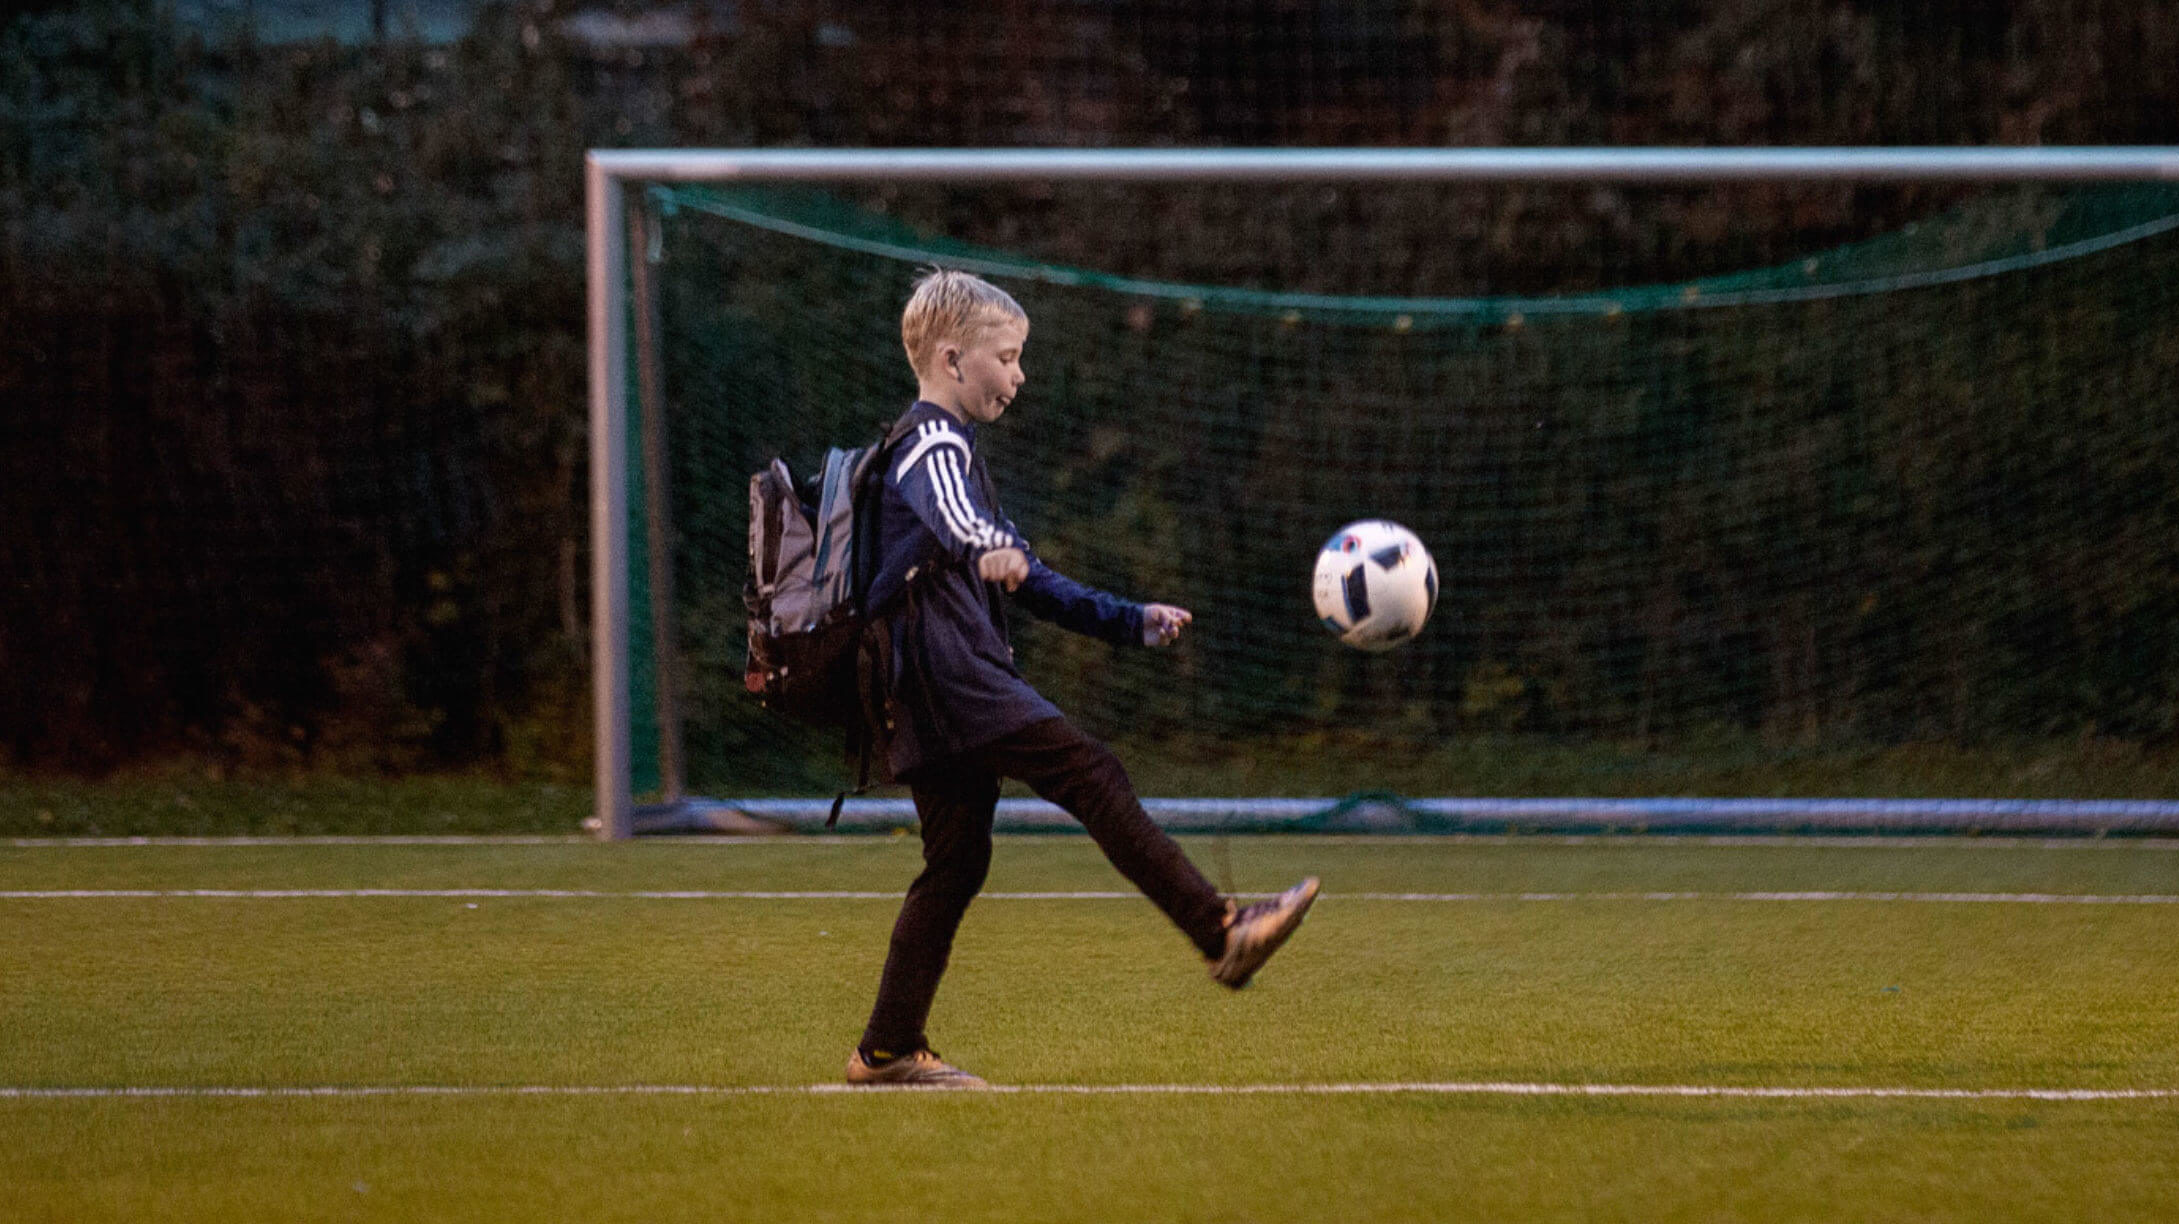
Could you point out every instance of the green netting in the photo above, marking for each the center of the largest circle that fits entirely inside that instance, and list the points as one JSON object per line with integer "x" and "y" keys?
{"x": 1920, "y": 488}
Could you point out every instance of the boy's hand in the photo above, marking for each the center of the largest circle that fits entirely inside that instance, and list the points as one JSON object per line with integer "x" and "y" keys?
{"x": 1162, "y": 623}
{"x": 1009, "y": 567}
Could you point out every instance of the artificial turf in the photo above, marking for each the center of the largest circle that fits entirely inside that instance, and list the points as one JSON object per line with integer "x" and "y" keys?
{"x": 1603, "y": 988}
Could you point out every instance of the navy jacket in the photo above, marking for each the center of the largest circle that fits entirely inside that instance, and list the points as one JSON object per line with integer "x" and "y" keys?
{"x": 954, "y": 686}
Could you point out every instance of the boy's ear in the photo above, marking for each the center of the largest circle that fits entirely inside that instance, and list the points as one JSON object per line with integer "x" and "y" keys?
{"x": 949, "y": 358}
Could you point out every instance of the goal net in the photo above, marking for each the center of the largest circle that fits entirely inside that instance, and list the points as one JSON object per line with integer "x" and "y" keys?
{"x": 1725, "y": 486}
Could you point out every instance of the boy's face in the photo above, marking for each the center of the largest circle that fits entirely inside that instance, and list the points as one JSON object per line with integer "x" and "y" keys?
{"x": 989, "y": 370}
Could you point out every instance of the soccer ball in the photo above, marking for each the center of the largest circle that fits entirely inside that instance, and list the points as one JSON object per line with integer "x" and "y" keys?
{"x": 1375, "y": 584}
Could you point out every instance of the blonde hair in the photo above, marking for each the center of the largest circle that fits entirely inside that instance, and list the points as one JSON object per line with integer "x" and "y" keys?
{"x": 949, "y": 305}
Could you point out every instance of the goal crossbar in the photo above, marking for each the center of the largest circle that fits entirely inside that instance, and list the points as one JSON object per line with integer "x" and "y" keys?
{"x": 609, "y": 172}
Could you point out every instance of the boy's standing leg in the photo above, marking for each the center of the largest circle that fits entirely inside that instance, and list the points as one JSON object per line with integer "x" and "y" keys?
{"x": 954, "y": 801}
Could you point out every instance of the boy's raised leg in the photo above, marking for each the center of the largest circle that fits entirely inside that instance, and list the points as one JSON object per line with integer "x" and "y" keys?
{"x": 1070, "y": 769}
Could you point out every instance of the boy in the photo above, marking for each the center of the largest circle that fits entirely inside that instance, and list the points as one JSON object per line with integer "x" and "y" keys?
{"x": 959, "y": 717}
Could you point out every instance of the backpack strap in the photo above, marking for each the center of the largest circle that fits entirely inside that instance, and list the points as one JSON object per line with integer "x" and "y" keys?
{"x": 840, "y": 799}
{"x": 864, "y": 754}
{"x": 865, "y": 740}
{"x": 870, "y": 487}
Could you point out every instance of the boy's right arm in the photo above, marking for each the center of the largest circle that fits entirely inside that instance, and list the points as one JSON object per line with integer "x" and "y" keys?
{"x": 931, "y": 471}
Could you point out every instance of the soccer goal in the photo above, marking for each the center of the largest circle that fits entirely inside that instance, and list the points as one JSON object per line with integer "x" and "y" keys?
{"x": 1785, "y": 488}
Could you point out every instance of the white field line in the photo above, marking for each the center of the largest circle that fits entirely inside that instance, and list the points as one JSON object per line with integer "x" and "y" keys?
{"x": 585, "y": 894}
{"x": 714, "y": 841}
{"x": 393, "y": 839}
{"x": 1416, "y": 1088}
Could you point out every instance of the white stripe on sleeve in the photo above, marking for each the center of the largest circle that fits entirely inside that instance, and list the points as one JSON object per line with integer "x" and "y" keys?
{"x": 956, "y": 522}
{"x": 959, "y": 521}
{"x": 953, "y": 497}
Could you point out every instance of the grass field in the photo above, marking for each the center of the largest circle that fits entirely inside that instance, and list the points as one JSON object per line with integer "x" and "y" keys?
{"x": 1631, "y": 962}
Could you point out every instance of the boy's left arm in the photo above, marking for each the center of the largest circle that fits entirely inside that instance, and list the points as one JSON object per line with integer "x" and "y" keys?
{"x": 1053, "y": 596}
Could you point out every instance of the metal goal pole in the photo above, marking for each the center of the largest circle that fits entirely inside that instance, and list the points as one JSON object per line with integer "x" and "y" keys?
{"x": 608, "y": 172}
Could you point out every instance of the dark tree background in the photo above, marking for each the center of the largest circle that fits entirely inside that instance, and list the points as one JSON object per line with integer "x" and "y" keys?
{"x": 291, "y": 460}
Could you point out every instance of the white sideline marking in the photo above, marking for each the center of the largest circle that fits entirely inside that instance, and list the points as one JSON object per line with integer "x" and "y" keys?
{"x": 587, "y": 894}
{"x": 1931, "y": 897}
{"x": 548, "y": 894}
{"x": 1419, "y": 1088}
{"x": 391, "y": 839}
{"x": 1788, "y": 840}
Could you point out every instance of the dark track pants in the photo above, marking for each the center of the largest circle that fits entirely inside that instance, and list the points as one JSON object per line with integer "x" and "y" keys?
{"x": 955, "y": 798}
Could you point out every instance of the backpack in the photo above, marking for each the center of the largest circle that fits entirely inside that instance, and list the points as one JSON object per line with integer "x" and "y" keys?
{"x": 812, "y": 553}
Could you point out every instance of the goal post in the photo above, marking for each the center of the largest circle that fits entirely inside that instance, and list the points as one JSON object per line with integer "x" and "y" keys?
{"x": 616, "y": 309}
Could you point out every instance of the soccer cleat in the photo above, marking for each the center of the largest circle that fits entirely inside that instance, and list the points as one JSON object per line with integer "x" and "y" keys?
{"x": 922, "y": 1069}
{"x": 1254, "y": 932}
